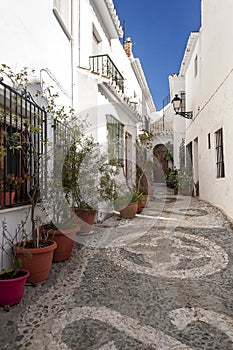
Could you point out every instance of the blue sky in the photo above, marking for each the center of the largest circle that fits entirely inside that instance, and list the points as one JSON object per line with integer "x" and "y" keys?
{"x": 159, "y": 30}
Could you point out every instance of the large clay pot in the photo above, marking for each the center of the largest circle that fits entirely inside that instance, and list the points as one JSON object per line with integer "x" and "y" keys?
{"x": 87, "y": 218}
{"x": 12, "y": 290}
{"x": 129, "y": 211}
{"x": 65, "y": 240}
{"x": 37, "y": 261}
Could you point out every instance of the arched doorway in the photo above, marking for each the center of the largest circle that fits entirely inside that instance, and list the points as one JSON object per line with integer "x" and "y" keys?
{"x": 160, "y": 153}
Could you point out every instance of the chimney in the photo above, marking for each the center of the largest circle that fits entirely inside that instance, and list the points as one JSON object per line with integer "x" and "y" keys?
{"x": 128, "y": 47}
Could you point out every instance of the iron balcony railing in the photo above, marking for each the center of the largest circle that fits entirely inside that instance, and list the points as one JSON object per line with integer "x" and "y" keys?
{"x": 102, "y": 64}
{"x": 23, "y": 135}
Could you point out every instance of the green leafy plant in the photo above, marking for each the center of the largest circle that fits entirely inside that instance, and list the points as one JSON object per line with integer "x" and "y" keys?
{"x": 88, "y": 178}
{"x": 185, "y": 179}
{"x": 25, "y": 139}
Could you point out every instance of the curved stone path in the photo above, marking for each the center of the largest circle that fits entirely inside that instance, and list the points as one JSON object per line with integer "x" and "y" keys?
{"x": 160, "y": 281}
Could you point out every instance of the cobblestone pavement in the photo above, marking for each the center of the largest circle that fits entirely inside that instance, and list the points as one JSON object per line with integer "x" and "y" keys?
{"x": 160, "y": 281}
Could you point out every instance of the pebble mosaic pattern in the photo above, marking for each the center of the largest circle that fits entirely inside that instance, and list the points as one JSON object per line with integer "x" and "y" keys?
{"x": 160, "y": 281}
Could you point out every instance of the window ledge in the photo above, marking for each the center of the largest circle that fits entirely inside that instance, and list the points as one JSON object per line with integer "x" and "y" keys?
{"x": 12, "y": 209}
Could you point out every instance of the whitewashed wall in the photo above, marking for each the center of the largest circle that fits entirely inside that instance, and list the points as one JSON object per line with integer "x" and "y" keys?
{"x": 31, "y": 36}
{"x": 211, "y": 93}
{"x": 177, "y": 85}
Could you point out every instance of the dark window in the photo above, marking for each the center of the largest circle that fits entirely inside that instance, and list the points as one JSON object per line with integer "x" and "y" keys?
{"x": 182, "y": 154}
{"x": 183, "y": 107}
{"x": 189, "y": 157}
{"x": 209, "y": 142}
{"x": 115, "y": 139}
{"x": 23, "y": 131}
{"x": 219, "y": 154}
{"x": 195, "y": 66}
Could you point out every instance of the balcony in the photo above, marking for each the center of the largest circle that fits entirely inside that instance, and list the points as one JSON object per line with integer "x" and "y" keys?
{"x": 102, "y": 64}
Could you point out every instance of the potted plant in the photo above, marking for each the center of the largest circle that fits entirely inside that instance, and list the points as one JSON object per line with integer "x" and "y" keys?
{"x": 88, "y": 180}
{"x": 64, "y": 236}
{"x": 144, "y": 167}
{"x": 10, "y": 187}
{"x": 60, "y": 223}
{"x": 7, "y": 192}
{"x": 13, "y": 279}
{"x": 127, "y": 203}
{"x": 35, "y": 253}
{"x": 185, "y": 180}
{"x": 172, "y": 179}
{"x": 23, "y": 136}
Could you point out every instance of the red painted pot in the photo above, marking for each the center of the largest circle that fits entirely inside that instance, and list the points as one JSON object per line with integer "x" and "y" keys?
{"x": 12, "y": 290}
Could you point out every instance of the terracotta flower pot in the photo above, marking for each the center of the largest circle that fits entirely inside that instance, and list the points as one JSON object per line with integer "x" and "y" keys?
{"x": 65, "y": 240}
{"x": 145, "y": 200}
{"x": 9, "y": 197}
{"x": 129, "y": 211}
{"x": 37, "y": 261}
{"x": 87, "y": 218}
{"x": 139, "y": 206}
{"x": 12, "y": 290}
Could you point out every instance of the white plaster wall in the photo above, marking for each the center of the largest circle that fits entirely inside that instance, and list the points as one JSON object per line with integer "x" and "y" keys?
{"x": 90, "y": 100}
{"x": 216, "y": 44}
{"x": 177, "y": 85}
{"x": 211, "y": 92}
{"x": 31, "y": 36}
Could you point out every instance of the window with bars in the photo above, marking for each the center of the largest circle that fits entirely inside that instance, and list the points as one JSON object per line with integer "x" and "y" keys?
{"x": 219, "y": 153}
{"x": 115, "y": 140}
{"x": 183, "y": 101}
{"x": 23, "y": 131}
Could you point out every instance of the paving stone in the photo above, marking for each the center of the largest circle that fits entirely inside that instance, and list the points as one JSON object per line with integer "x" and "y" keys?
{"x": 160, "y": 281}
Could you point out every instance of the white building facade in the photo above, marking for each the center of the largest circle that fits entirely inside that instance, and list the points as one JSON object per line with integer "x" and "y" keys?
{"x": 74, "y": 46}
{"x": 208, "y": 79}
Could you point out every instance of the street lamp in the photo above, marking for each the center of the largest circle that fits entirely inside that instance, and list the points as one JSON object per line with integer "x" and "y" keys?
{"x": 177, "y": 104}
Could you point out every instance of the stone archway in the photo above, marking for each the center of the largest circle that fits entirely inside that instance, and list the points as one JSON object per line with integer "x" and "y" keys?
{"x": 160, "y": 162}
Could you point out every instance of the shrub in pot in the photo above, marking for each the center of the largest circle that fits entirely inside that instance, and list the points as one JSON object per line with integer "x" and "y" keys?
{"x": 88, "y": 180}
{"x": 64, "y": 236}
{"x": 127, "y": 203}
{"x": 185, "y": 182}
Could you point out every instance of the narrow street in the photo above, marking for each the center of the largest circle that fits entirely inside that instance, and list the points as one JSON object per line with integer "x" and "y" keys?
{"x": 160, "y": 281}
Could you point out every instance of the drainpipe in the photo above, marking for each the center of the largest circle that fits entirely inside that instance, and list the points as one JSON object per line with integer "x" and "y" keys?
{"x": 72, "y": 53}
